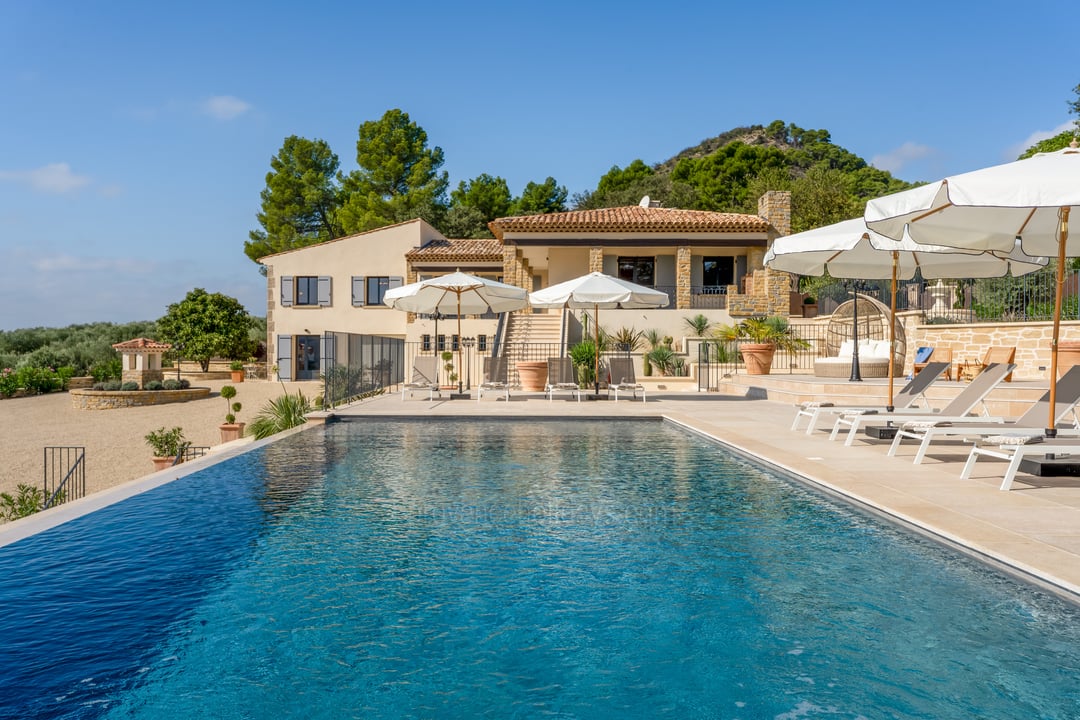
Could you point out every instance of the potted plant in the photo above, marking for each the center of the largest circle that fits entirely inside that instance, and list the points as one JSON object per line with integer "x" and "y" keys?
{"x": 167, "y": 446}
{"x": 236, "y": 369}
{"x": 758, "y": 339}
{"x": 230, "y": 429}
{"x": 448, "y": 365}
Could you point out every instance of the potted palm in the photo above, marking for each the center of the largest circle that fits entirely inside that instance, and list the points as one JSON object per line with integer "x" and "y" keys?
{"x": 230, "y": 429}
{"x": 168, "y": 445}
{"x": 759, "y": 338}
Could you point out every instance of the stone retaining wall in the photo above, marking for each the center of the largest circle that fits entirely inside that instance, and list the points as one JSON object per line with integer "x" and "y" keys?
{"x": 112, "y": 399}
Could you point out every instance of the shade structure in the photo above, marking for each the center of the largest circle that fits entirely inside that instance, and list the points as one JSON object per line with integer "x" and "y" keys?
{"x": 457, "y": 293}
{"x": 1028, "y": 200}
{"x": 849, "y": 249}
{"x": 598, "y": 291}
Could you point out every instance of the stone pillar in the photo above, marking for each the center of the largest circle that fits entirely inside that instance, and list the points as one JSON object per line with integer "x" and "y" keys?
{"x": 755, "y": 259}
{"x": 682, "y": 278}
{"x": 596, "y": 259}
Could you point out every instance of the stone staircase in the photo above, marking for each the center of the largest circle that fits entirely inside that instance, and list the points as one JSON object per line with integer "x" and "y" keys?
{"x": 531, "y": 336}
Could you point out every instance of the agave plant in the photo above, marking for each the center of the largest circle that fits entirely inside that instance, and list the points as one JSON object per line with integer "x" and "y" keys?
{"x": 627, "y": 337}
{"x": 699, "y": 325}
{"x": 284, "y": 412}
{"x": 772, "y": 330}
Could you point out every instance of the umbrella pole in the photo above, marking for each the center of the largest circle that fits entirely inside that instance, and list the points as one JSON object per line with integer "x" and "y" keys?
{"x": 596, "y": 355}
{"x": 459, "y": 342}
{"x": 892, "y": 331}
{"x": 1063, "y": 235}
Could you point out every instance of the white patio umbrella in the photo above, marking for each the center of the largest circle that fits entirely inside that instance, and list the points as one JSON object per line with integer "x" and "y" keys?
{"x": 849, "y": 249}
{"x": 597, "y": 290}
{"x": 989, "y": 209}
{"x": 458, "y": 293}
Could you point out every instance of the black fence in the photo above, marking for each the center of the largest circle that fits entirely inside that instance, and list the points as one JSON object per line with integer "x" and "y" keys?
{"x": 359, "y": 365}
{"x": 65, "y": 474}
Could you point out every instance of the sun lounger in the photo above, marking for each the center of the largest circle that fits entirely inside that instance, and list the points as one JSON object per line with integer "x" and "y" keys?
{"x": 561, "y": 378}
{"x": 1015, "y": 448}
{"x": 1030, "y": 424}
{"x": 957, "y": 411}
{"x": 424, "y": 377}
{"x": 903, "y": 401}
{"x": 494, "y": 379}
{"x": 622, "y": 378}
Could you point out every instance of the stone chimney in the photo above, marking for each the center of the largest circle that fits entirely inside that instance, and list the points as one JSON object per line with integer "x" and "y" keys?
{"x": 775, "y": 207}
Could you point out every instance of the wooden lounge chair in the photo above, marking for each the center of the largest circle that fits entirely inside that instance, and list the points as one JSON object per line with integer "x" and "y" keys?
{"x": 425, "y": 376}
{"x": 561, "y": 378}
{"x": 937, "y": 354}
{"x": 903, "y": 401}
{"x": 494, "y": 379}
{"x": 998, "y": 354}
{"x": 622, "y": 378}
{"x": 957, "y": 411}
{"x": 1030, "y": 425}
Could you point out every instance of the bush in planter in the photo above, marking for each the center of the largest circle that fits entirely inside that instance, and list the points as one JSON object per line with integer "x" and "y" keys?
{"x": 167, "y": 443}
{"x": 111, "y": 385}
{"x": 229, "y": 392}
{"x": 236, "y": 365}
{"x": 583, "y": 355}
{"x": 171, "y": 384}
{"x": 129, "y": 386}
{"x": 154, "y": 385}
{"x": 185, "y": 384}
{"x": 773, "y": 331}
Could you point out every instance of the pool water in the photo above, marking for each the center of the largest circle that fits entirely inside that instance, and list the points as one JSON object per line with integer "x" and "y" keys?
{"x": 468, "y": 569}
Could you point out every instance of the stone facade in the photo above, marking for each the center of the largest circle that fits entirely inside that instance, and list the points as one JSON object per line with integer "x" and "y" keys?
{"x": 682, "y": 278}
{"x": 765, "y": 292}
{"x": 596, "y": 259}
{"x": 113, "y": 399}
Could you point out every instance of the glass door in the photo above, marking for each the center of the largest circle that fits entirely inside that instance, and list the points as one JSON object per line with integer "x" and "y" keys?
{"x": 307, "y": 357}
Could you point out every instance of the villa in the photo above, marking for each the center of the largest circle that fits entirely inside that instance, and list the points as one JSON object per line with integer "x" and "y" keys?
{"x": 707, "y": 262}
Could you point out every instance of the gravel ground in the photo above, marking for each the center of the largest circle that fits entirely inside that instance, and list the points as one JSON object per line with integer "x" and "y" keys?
{"x": 115, "y": 449}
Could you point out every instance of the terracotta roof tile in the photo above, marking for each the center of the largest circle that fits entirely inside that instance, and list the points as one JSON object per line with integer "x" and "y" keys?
{"x": 630, "y": 219}
{"x": 142, "y": 344}
{"x": 458, "y": 250}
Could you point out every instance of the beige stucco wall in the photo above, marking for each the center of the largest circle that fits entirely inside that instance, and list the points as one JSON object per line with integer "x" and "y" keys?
{"x": 379, "y": 253}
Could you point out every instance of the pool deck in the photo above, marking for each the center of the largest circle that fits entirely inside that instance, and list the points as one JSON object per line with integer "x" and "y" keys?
{"x": 1032, "y": 531}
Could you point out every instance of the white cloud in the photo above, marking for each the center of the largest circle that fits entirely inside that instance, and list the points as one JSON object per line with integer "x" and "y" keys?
{"x": 72, "y": 263}
{"x": 224, "y": 107}
{"x": 1014, "y": 151}
{"x": 54, "y": 178}
{"x": 897, "y": 159}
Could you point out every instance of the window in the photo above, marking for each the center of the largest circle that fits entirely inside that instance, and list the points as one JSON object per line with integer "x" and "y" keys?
{"x": 717, "y": 271}
{"x": 640, "y": 270}
{"x": 440, "y": 343}
{"x": 376, "y": 288}
{"x": 481, "y": 343}
{"x": 425, "y": 342}
{"x": 307, "y": 290}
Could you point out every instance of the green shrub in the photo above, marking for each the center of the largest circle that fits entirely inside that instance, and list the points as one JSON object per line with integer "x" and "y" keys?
{"x": 154, "y": 385}
{"x": 282, "y": 413}
{"x": 9, "y": 382}
{"x": 111, "y": 385}
{"x": 583, "y": 355}
{"x": 171, "y": 384}
{"x": 27, "y": 500}
{"x": 110, "y": 369}
{"x": 98, "y": 386}
{"x": 167, "y": 443}
{"x": 185, "y": 383}
{"x": 129, "y": 386}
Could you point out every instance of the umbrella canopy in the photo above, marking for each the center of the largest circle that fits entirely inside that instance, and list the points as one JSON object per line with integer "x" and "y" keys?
{"x": 849, "y": 249}
{"x": 597, "y": 290}
{"x": 989, "y": 209}
{"x": 457, "y": 293}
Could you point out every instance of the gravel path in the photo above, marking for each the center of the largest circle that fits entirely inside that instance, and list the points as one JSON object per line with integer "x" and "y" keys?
{"x": 115, "y": 449}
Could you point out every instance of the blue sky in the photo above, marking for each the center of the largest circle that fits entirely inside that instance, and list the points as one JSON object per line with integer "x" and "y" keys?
{"x": 135, "y": 136}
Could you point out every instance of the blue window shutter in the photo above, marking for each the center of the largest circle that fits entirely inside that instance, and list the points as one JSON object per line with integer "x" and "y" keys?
{"x": 287, "y": 291}
{"x": 327, "y": 353}
{"x": 284, "y": 357}
{"x": 358, "y": 291}
{"x": 324, "y": 290}
{"x": 396, "y": 282}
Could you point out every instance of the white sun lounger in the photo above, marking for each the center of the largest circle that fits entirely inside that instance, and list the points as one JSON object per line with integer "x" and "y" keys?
{"x": 905, "y": 400}
{"x": 1029, "y": 425}
{"x": 1015, "y": 448}
{"x": 494, "y": 378}
{"x": 424, "y": 377}
{"x": 561, "y": 378}
{"x": 957, "y": 411}
{"x": 622, "y": 378}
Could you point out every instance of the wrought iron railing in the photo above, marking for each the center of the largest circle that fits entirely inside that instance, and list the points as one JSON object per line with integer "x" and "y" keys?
{"x": 65, "y": 474}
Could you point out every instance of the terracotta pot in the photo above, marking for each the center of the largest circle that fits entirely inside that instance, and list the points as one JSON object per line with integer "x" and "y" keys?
{"x": 532, "y": 375}
{"x": 160, "y": 463}
{"x": 237, "y": 376}
{"x": 231, "y": 431}
{"x": 757, "y": 357}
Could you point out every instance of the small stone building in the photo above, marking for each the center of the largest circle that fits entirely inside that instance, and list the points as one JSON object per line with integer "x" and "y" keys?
{"x": 141, "y": 360}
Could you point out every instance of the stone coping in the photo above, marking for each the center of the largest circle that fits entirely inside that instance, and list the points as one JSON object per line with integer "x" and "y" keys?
{"x": 113, "y": 399}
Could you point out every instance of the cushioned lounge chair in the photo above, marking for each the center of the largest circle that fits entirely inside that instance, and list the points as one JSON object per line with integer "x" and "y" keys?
{"x": 622, "y": 378}
{"x": 903, "y": 401}
{"x": 957, "y": 411}
{"x": 1030, "y": 425}
{"x": 561, "y": 378}
{"x": 494, "y": 378}
{"x": 425, "y": 376}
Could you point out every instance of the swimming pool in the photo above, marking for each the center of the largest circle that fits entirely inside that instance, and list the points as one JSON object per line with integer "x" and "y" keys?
{"x": 463, "y": 569}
